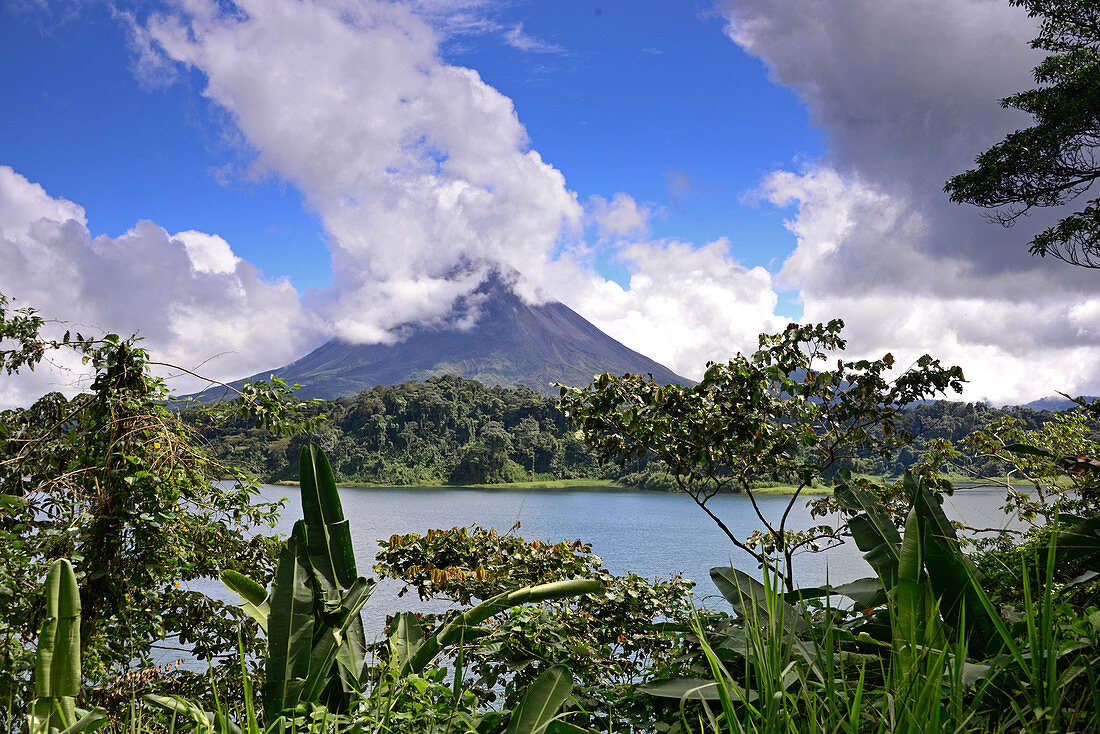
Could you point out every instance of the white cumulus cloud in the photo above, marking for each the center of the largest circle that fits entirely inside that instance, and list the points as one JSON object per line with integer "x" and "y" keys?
{"x": 416, "y": 167}
{"x": 423, "y": 175}
{"x": 685, "y": 305}
{"x": 187, "y": 295}
{"x": 620, "y": 217}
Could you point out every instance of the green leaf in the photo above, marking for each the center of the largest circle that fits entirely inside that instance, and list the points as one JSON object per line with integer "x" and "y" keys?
{"x": 9, "y": 500}
{"x": 1080, "y": 543}
{"x": 1023, "y": 448}
{"x": 474, "y": 616}
{"x": 203, "y": 720}
{"x": 557, "y": 726}
{"x": 867, "y": 592}
{"x": 949, "y": 572}
{"x": 753, "y": 600}
{"x": 57, "y": 678}
{"x": 877, "y": 528}
{"x": 331, "y": 554}
{"x": 909, "y": 592}
{"x": 331, "y": 642}
{"x": 407, "y": 636}
{"x": 682, "y": 689}
{"x": 290, "y": 627}
{"x": 253, "y": 596}
{"x": 324, "y": 515}
{"x": 542, "y": 701}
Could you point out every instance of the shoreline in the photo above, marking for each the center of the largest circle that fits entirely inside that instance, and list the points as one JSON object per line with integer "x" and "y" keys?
{"x": 780, "y": 489}
{"x": 554, "y": 484}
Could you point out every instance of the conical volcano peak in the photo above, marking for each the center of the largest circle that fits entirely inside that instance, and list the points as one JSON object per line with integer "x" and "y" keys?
{"x": 491, "y": 335}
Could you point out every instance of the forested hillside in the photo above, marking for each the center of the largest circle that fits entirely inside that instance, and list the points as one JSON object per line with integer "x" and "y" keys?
{"x": 443, "y": 429}
{"x": 453, "y": 430}
{"x": 952, "y": 421}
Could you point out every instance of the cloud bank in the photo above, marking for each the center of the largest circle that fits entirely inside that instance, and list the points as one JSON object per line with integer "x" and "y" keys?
{"x": 419, "y": 170}
{"x": 906, "y": 95}
{"x": 414, "y": 166}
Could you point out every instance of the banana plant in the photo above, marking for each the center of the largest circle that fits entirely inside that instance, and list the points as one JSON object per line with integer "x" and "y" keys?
{"x": 923, "y": 583}
{"x": 57, "y": 675}
{"x": 311, "y": 615}
{"x": 312, "y": 612}
{"x": 928, "y": 554}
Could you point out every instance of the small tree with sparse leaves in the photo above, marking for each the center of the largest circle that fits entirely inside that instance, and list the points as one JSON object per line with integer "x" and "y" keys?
{"x": 781, "y": 414}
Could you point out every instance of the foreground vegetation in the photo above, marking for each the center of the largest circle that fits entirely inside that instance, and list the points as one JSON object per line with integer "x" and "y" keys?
{"x": 108, "y": 507}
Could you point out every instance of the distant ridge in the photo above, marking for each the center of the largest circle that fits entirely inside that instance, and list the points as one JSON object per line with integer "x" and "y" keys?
{"x": 510, "y": 344}
{"x": 1056, "y": 403}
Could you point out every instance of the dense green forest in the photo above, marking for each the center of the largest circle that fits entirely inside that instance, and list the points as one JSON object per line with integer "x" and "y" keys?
{"x": 439, "y": 430}
{"x": 452, "y": 430}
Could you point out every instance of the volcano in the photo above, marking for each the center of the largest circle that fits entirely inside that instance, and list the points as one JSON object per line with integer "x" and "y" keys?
{"x": 510, "y": 344}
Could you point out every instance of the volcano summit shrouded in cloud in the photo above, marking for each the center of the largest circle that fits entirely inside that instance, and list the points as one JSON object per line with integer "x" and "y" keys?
{"x": 640, "y": 165}
{"x": 494, "y": 337}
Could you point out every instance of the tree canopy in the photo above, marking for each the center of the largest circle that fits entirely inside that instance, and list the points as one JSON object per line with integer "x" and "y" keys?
{"x": 780, "y": 413}
{"x": 1053, "y": 162}
{"x": 115, "y": 482}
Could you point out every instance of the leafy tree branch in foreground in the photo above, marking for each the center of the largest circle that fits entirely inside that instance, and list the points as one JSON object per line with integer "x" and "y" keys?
{"x": 112, "y": 480}
{"x": 779, "y": 413}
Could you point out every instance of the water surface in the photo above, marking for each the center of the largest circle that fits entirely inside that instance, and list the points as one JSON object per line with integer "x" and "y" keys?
{"x": 654, "y": 534}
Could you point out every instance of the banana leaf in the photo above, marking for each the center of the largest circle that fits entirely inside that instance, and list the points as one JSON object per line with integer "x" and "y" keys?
{"x": 331, "y": 558}
{"x": 688, "y": 689}
{"x": 474, "y": 616}
{"x": 866, "y": 592}
{"x": 57, "y": 677}
{"x": 406, "y": 638}
{"x": 253, "y": 596}
{"x": 949, "y": 572}
{"x": 750, "y": 598}
{"x": 290, "y": 627}
{"x": 541, "y": 701}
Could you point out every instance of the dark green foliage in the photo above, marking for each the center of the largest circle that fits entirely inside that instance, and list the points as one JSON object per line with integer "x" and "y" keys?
{"x": 1061, "y": 463}
{"x": 451, "y": 430}
{"x": 440, "y": 430}
{"x": 929, "y": 425}
{"x": 611, "y": 643}
{"x": 113, "y": 481}
{"x": 1052, "y": 162}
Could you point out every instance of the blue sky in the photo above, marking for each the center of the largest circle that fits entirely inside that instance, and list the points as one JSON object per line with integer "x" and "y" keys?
{"x": 249, "y": 179}
{"x": 86, "y": 128}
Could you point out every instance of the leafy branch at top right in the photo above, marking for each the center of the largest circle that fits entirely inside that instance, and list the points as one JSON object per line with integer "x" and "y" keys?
{"x": 1054, "y": 161}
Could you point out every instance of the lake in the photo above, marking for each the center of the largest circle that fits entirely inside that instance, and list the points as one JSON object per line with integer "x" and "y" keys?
{"x": 653, "y": 534}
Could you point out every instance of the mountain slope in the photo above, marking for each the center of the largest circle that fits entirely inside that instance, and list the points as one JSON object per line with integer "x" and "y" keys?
{"x": 1056, "y": 403}
{"x": 510, "y": 344}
